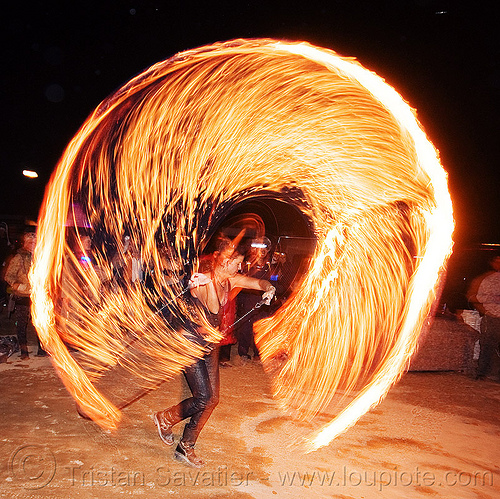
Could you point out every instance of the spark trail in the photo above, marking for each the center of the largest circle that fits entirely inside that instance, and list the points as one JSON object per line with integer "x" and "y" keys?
{"x": 162, "y": 157}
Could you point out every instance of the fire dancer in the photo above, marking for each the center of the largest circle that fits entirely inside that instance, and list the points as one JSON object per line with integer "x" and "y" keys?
{"x": 210, "y": 291}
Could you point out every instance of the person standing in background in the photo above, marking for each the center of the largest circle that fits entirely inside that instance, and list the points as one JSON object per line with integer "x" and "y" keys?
{"x": 16, "y": 276}
{"x": 488, "y": 296}
{"x": 257, "y": 266}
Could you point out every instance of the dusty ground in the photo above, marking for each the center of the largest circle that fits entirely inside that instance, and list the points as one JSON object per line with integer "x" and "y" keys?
{"x": 435, "y": 435}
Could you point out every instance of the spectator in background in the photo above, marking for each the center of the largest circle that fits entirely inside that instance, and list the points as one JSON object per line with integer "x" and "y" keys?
{"x": 257, "y": 266}
{"x": 494, "y": 263}
{"x": 5, "y": 251}
{"x": 128, "y": 265}
{"x": 81, "y": 277}
{"x": 16, "y": 276}
{"x": 488, "y": 304}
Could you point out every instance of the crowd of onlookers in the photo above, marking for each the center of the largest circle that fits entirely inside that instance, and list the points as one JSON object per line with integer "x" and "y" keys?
{"x": 240, "y": 312}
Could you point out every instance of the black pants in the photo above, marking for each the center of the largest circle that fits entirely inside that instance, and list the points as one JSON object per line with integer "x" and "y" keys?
{"x": 246, "y": 338}
{"x": 489, "y": 343}
{"x": 22, "y": 319}
{"x": 203, "y": 380}
{"x": 225, "y": 353}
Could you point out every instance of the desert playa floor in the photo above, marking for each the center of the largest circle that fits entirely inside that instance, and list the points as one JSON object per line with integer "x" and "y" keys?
{"x": 435, "y": 435}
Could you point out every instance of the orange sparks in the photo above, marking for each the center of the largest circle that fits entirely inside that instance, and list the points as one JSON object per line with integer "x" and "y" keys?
{"x": 156, "y": 163}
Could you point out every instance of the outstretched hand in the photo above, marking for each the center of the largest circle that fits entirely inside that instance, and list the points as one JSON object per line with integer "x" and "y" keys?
{"x": 198, "y": 279}
{"x": 268, "y": 295}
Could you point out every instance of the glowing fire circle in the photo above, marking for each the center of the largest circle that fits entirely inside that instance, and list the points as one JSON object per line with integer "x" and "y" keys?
{"x": 158, "y": 159}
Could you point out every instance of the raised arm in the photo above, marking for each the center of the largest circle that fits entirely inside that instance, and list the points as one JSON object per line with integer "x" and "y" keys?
{"x": 245, "y": 282}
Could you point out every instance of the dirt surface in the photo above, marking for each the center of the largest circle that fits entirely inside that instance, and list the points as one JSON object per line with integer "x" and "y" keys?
{"x": 435, "y": 435}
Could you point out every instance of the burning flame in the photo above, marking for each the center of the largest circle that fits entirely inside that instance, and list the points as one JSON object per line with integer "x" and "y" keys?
{"x": 161, "y": 158}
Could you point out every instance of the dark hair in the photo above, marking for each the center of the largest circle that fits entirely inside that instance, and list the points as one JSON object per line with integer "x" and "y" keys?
{"x": 225, "y": 248}
{"x": 225, "y": 245}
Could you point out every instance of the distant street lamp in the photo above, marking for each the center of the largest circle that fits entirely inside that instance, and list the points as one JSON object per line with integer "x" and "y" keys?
{"x": 30, "y": 174}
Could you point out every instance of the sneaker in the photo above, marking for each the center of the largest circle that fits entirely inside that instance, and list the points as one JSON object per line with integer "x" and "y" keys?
{"x": 164, "y": 427}
{"x": 184, "y": 453}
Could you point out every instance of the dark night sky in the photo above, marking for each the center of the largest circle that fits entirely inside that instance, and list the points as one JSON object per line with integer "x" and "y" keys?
{"x": 60, "y": 60}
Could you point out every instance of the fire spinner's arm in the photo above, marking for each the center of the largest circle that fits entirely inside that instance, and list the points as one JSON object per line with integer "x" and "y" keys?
{"x": 245, "y": 282}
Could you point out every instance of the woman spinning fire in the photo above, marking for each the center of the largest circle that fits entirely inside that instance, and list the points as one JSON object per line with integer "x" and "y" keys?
{"x": 210, "y": 291}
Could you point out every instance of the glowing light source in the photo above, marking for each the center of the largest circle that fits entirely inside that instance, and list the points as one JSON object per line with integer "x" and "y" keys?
{"x": 214, "y": 126}
{"x": 30, "y": 174}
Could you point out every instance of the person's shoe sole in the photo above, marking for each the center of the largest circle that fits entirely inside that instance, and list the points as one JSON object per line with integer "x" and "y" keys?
{"x": 167, "y": 440}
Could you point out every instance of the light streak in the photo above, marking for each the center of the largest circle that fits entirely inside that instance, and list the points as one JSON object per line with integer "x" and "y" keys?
{"x": 160, "y": 158}
{"x": 30, "y": 174}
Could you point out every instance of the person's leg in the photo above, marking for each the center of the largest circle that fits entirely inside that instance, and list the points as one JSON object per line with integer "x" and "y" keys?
{"x": 21, "y": 317}
{"x": 40, "y": 352}
{"x": 185, "y": 450}
{"x": 224, "y": 355}
{"x": 255, "y": 350}
{"x": 488, "y": 344}
{"x": 262, "y": 313}
{"x": 198, "y": 380}
{"x": 493, "y": 368}
{"x": 204, "y": 383}
{"x": 245, "y": 337}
